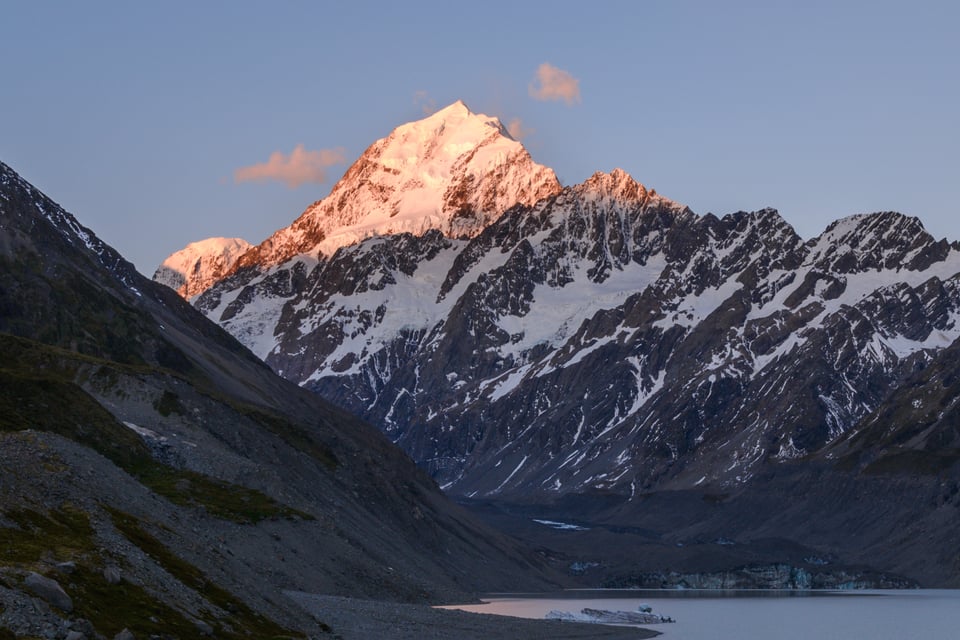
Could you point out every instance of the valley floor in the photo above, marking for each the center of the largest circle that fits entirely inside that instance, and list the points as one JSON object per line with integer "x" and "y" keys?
{"x": 351, "y": 619}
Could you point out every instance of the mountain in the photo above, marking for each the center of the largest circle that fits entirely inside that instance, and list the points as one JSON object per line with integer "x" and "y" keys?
{"x": 454, "y": 171}
{"x": 607, "y": 338}
{"x": 585, "y": 356}
{"x": 158, "y": 477}
{"x": 194, "y": 268}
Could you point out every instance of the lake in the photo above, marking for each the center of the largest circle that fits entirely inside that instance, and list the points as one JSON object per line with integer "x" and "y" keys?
{"x": 763, "y": 615}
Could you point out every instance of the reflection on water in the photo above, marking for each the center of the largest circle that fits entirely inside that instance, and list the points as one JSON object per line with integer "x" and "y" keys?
{"x": 761, "y": 614}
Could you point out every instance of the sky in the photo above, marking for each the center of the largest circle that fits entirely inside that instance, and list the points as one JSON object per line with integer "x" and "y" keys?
{"x": 162, "y": 123}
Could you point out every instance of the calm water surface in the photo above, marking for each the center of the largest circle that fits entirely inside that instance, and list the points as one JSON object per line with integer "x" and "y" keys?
{"x": 762, "y": 615}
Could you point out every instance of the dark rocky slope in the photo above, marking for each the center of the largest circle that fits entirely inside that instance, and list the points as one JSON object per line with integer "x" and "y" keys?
{"x": 877, "y": 509}
{"x": 170, "y": 482}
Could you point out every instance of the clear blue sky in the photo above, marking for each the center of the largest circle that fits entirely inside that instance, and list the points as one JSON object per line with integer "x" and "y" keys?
{"x": 135, "y": 115}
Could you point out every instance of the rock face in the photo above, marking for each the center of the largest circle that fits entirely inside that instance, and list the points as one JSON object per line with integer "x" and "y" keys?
{"x": 778, "y": 576}
{"x": 194, "y": 268}
{"x": 915, "y": 430}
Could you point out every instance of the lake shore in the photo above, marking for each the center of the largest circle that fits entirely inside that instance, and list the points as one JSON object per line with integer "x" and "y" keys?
{"x": 353, "y": 618}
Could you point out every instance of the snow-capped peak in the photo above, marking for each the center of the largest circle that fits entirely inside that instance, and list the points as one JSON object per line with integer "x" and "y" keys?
{"x": 455, "y": 170}
{"x": 194, "y": 268}
{"x": 618, "y": 184}
{"x": 456, "y": 110}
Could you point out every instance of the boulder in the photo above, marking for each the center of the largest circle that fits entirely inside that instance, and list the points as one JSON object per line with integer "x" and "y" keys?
{"x": 204, "y": 628}
{"x": 66, "y": 567}
{"x": 49, "y": 590}
{"x": 112, "y": 574}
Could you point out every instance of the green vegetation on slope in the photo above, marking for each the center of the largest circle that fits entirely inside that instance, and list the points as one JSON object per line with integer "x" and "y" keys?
{"x": 290, "y": 434}
{"x": 37, "y": 392}
{"x": 65, "y": 534}
{"x": 240, "y": 615}
{"x": 65, "y": 308}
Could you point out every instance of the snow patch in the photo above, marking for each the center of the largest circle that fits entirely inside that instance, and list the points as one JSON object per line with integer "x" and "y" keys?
{"x": 561, "y": 526}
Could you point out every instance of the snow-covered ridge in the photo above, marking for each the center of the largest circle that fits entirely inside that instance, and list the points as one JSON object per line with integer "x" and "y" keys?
{"x": 194, "y": 268}
{"x": 598, "y": 277}
{"x": 415, "y": 302}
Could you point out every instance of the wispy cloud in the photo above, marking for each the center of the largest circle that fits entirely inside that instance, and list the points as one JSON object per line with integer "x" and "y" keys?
{"x": 517, "y": 131}
{"x": 299, "y": 167}
{"x": 552, "y": 83}
{"x": 423, "y": 100}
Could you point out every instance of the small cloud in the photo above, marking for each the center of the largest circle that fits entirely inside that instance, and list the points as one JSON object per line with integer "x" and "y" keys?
{"x": 552, "y": 83}
{"x": 517, "y": 131}
{"x": 299, "y": 167}
{"x": 423, "y": 100}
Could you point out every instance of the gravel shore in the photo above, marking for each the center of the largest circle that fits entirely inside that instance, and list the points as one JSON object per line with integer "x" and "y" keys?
{"x": 353, "y": 619}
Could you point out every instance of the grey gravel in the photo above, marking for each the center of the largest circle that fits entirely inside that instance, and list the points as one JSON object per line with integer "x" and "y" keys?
{"x": 354, "y": 619}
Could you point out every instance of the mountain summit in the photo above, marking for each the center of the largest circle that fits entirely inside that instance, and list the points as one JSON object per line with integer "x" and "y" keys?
{"x": 455, "y": 171}
{"x": 198, "y": 265}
